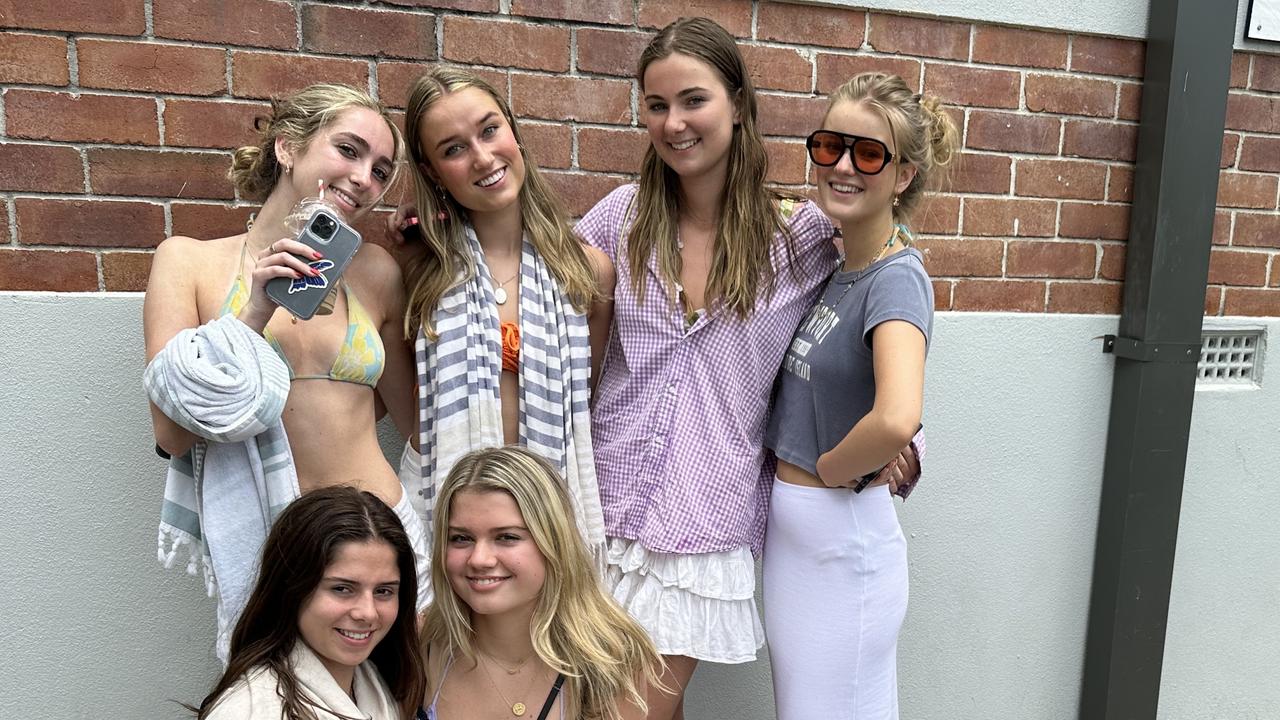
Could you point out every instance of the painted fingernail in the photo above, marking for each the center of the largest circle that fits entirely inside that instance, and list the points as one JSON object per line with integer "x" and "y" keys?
{"x": 317, "y": 254}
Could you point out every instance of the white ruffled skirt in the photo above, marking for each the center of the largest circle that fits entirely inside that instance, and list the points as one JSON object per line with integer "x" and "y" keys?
{"x": 701, "y": 606}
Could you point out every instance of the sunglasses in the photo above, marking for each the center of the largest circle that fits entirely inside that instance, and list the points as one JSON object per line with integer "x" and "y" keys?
{"x": 869, "y": 155}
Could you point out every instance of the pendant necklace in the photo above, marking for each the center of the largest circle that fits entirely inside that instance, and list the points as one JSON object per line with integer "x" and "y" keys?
{"x": 500, "y": 292}
{"x": 518, "y": 708}
{"x": 893, "y": 239}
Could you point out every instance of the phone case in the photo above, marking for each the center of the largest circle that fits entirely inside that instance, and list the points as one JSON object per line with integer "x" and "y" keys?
{"x": 325, "y": 232}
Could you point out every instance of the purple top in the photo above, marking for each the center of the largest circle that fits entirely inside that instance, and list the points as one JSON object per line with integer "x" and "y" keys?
{"x": 679, "y": 416}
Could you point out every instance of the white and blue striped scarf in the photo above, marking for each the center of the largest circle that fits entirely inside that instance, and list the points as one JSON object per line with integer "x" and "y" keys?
{"x": 458, "y": 375}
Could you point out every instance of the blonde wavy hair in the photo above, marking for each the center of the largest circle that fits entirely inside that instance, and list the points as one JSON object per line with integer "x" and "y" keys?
{"x": 297, "y": 118}
{"x": 923, "y": 135}
{"x": 577, "y": 628}
{"x": 750, "y": 217}
{"x": 447, "y": 261}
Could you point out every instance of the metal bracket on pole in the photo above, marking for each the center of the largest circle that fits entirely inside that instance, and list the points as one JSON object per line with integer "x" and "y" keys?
{"x": 1134, "y": 349}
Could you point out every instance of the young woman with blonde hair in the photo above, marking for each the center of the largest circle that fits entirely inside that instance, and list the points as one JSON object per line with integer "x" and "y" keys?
{"x": 715, "y": 270}
{"x": 510, "y": 308}
{"x": 520, "y": 624}
{"x": 850, "y": 393}
{"x": 254, "y": 406}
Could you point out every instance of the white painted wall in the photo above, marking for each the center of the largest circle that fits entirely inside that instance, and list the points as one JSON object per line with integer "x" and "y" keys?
{"x": 1119, "y": 18}
{"x": 1001, "y": 532}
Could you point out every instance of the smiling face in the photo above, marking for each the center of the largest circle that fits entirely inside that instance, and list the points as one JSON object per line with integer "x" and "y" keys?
{"x": 353, "y": 607}
{"x": 471, "y": 151}
{"x": 847, "y": 195}
{"x": 492, "y": 561}
{"x": 689, "y": 114}
{"x": 352, "y": 156}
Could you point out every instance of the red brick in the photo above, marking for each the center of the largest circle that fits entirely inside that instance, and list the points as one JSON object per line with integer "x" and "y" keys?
{"x": 1274, "y": 272}
{"x": 1246, "y": 190}
{"x": 1120, "y": 183}
{"x": 732, "y": 15}
{"x": 1261, "y": 154}
{"x": 1071, "y": 95}
{"x": 365, "y": 31}
{"x": 256, "y": 23}
{"x": 1266, "y": 73}
{"x": 942, "y": 294}
{"x": 835, "y": 70}
{"x": 610, "y": 52}
{"x": 1076, "y": 180}
{"x": 550, "y": 144}
{"x": 1009, "y": 217}
{"x": 265, "y": 75}
{"x": 1112, "y": 265}
{"x": 778, "y": 68}
{"x": 919, "y": 36}
{"x": 937, "y": 215}
{"x": 524, "y": 45}
{"x": 40, "y": 168}
{"x": 478, "y": 6}
{"x": 1234, "y": 267}
{"x": 1107, "y": 56}
{"x": 790, "y": 115}
{"x": 1100, "y": 140}
{"x": 1221, "y": 227}
{"x": 1094, "y": 298}
{"x": 1213, "y": 300}
{"x": 40, "y": 115}
{"x": 1130, "y": 105}
{"x": 33, "y": 59}
{"x": 48, "y": 270}
{"x": 1013, "y": 132}
{"x": 980, "y": 87}
{"x": 1256, "y": 230}
{"x": 159, "y": 174}
{"x": 125, "y": 271}
{"x": 1230, "y": 148}
{"x": 106, "y": 17}
{"x": 1239, "y": 70}
{"x": 564, "y": 98}
{"x": 91, "y": 223}
{"x": 1256, "y": 303}
{"x": 610, "y": 12}
{"x": 395, "y": 79}
{"x": 208, "y": 221}
{"x": 976, "y": 173}
{"x": 810, "y": 25}
{"x": 581, "y": 191}
{"x": 1253, "y": 113}
{"x": 1094, "y": 221}
{"x": 611, "y": 150}
{"x": 962, "y": 258}
{"x": 151, "y": 67}
{"x": 1028, "y": 258}
{"x": 211, "y": 123}
{"x": 1019, "y": 48}
{"x": 787, "y": 162}
{"x": 998, "y": 295}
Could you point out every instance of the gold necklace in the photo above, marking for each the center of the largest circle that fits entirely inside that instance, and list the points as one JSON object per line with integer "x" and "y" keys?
{"x": 517, "y": 708}
{"x": 519, "y": 666}
{"x": 500, "y": 292}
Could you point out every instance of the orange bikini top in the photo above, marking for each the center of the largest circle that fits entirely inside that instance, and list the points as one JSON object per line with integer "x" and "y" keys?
{"x": 510, "y": 347}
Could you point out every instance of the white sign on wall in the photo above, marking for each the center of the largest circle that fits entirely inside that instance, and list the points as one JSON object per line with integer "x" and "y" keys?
{"x": 1264, "y": 20}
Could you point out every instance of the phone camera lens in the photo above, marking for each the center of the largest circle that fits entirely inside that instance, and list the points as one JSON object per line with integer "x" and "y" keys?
{"x": 323, "y": 227}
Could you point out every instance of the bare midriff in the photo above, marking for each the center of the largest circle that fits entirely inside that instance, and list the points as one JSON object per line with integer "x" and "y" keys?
{"x": 334, "y": 438}
{"x": 796, "y": 475}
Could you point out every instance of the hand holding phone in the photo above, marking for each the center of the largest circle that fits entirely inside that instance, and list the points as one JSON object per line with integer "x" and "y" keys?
{"x": 324, "y": 232}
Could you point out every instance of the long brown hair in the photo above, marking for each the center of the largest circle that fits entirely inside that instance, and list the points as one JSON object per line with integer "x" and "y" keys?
{"x": 447, "y": 260}
{"x": 577, "y": 628}
{"x": 303, "y": 541}
{"x": 749, "y": 215}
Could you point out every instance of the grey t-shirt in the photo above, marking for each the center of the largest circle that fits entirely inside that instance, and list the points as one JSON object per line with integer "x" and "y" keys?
{"x": 826, "y": 384}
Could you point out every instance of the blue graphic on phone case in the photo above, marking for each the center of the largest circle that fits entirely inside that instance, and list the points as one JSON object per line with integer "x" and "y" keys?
{"x": 306, "y": 282}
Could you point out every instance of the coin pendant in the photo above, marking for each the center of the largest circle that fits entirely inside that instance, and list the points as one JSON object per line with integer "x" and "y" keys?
{"x": 500, "y": 295}
{"x": 518, "y": 709}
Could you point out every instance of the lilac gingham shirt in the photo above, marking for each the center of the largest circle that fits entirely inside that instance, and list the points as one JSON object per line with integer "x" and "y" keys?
{"x": 678, "y": 423}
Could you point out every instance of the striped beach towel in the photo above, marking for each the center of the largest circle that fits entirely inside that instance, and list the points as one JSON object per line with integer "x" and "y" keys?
{"x": 458, "y": 396}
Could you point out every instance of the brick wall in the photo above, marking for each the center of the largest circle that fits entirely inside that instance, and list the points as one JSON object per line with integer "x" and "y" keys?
{"x": 117, "y": 116}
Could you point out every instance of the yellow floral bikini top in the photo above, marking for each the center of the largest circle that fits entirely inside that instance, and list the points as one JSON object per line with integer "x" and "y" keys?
{"x": 361, "y": 356}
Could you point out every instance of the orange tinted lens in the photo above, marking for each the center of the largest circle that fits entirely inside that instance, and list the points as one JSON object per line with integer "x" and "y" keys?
{"x": 825, "y": 148}
{"x": 868, "y": 156}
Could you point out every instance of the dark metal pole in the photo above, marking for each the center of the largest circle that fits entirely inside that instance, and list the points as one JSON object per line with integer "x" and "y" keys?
{"x": 1184, "y": 95}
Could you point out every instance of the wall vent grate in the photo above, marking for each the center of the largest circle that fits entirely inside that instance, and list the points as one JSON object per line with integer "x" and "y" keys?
{"x": 1230, "y": 357}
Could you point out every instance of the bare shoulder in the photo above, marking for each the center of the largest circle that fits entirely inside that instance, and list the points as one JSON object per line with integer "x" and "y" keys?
{"x": 376, "y": 278}
{"x": 601, "y": 265}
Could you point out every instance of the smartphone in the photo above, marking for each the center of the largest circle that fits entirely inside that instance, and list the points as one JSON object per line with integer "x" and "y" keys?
{"x": 325, "y": 232}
